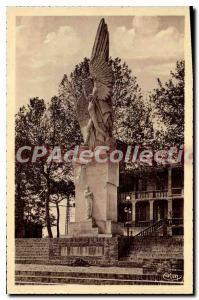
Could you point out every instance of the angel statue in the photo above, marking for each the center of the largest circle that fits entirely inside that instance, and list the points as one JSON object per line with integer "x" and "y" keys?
{"x": 94, "y": 109}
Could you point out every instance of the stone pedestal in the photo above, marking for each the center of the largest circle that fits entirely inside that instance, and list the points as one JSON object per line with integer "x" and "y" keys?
{"x": 103, "y": 181}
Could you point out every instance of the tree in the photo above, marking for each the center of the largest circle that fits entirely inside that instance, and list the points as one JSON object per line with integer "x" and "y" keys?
{"x": 60, "y": 191}
{"x": 51, "y": 126}
{"x": 56, "y": 199}
{"x": 168, "y": 101}
{"x": 131, "y": 116}
{"x": 61, "y": 130}
{"x": 27, "y": 132}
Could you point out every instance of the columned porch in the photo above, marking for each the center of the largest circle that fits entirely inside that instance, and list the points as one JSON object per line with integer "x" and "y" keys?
{"x": 144, "y": 208}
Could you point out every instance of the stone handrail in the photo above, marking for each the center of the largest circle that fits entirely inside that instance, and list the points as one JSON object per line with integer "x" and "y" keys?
{"x": 154, "y": 194}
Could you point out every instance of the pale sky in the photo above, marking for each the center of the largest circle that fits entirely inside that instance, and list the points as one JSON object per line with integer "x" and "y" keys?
{"x": 49, "y": 47}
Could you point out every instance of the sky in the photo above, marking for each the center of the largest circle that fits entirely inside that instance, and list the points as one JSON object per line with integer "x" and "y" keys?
{"x": 49, "y": 47}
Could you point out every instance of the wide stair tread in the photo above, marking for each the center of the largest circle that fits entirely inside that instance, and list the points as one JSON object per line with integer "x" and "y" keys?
{"x": 29, "y": 277}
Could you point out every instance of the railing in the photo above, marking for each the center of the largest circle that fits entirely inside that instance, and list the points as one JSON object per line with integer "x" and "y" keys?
{"x": 151, "y": 229}
{"x": 142, "y": 223}
{"x": 151, "y": 194}
{"x": 169, "y": 222}
{"x": 175, "y": 222}
{"x": 155, "y": 194}
{"x": 163, "y": 222}
{"x": 177, "y": 191}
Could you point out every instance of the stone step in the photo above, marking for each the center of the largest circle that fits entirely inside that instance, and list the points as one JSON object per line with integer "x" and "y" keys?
{"x": 18, "y": 252}
{"x": 157, "y": 249}
{"x": 152, "y": 247}
{"x": 29, "y": 244}
{"x": 133, "y": 258}
{"x": 30, "y": 240}
{"x": 33, "y": 283}
{"x": 31, "y": 261}
{"x": 33, "y": 246}
{"x": 23, "y": 256}
{"x": 81, "y": 274}
{"x": 88, "y": 274}
{"x": 162, "y": 254}
{"x": 83, "y": 279}
{"x": 30, "y": 250}
{"x": 32, "y": 256}
{"x": 163, "y": 251}
{"x": 121, "y": 263}
{"x": 96, "y": 282}
{"x": 140, "y": 259}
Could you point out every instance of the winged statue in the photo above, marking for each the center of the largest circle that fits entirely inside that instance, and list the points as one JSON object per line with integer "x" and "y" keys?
{"x": 94, "y": 110}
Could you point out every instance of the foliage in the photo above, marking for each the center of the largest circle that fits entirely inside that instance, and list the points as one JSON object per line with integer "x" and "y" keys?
{"x": 131, "y": 117}
{"x": 168, "y": 100}
{"x": 48, "y": 126}
{"x": 27, "y": 177}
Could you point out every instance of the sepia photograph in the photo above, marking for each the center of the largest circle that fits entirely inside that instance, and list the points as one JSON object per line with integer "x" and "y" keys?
{"x": 99, "y": 141}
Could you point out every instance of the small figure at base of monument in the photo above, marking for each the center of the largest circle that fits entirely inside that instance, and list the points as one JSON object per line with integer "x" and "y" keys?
{"x": 89, "y": 202}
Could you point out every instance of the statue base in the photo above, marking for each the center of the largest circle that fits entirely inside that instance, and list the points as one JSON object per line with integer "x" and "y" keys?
{"x": 102, "y": 180}
{"x": 86, "y": 228}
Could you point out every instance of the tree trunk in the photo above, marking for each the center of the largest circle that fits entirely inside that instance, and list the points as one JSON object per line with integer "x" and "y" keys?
{"x": 48, "y": 225}
{"x": 19, "y": 213}
{"x": 57, "y": 206}
{"x": 67, "y": 215}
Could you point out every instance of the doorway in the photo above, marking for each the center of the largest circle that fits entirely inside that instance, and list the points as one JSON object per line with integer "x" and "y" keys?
{"x": 160, "y": 208}
{"x": 142, "y": 211}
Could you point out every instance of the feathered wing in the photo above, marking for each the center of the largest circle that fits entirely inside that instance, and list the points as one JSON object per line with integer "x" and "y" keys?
{"x": 100, "y": 70}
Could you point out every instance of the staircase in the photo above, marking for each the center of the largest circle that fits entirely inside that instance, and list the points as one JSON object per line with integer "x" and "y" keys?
{"x": 157, "y": 255}
{"x": 152, "y": 243}
{"x": 42, "y": 275}
{"x": 152, "y": 229}
{"x": 154, "y": 247}
{"x": 27, "y": 252}
{"x": 163, "y": 224}
{"x": 146, "y": 258}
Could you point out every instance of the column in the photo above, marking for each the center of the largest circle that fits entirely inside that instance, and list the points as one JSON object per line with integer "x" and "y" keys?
{"x": 169, "y": 182}
{"x": 170, "y": 212}
{"x": 133, "y": 211}
{"x": 169, "y": 216}
{"x": 151, "y": 210}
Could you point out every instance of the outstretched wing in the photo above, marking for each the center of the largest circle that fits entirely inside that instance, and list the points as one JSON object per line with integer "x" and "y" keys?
{"x": 100, "y": 70}
{"x": 82, "y": 104}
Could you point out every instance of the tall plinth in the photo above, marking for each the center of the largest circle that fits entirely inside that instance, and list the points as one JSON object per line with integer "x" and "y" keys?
{"x": 96, "y": 186}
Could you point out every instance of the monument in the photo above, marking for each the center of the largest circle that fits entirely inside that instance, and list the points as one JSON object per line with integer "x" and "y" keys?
{"x": 96, "y": 182}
